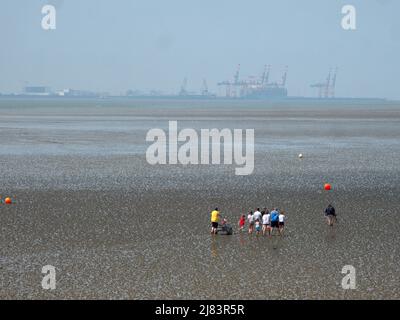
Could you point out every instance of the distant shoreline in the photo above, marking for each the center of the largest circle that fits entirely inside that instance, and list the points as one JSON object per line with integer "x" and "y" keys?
{"x": 313, "y": 100}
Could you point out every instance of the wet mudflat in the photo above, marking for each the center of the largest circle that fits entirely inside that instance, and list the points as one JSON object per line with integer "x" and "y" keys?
{"x": 88, "y": 203}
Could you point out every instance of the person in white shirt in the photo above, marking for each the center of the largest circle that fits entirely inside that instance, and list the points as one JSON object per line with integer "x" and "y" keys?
{"x": 266, "y": 222}
{"x": 282, "y": 219}
{"x": 257, "y": 215}
{"x": 250, "y": 219}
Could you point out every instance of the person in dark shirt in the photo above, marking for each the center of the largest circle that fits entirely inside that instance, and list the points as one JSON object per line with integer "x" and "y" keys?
{"x": 330, "y": 214}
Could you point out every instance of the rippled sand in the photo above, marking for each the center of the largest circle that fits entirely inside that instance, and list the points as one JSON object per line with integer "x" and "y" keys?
{"x": 87, "y": 202}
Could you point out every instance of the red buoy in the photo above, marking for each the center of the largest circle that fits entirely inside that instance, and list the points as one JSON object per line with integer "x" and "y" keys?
{"x": 8, "y": 201}
{"x": 327, "y": 186}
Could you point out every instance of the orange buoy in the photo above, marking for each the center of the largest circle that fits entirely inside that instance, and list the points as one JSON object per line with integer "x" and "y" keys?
{"x": 7, "y": 200}
{"x": 327, "y": 186}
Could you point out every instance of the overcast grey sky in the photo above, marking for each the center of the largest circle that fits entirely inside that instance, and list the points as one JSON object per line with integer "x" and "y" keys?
{"x": 117, "y": 45}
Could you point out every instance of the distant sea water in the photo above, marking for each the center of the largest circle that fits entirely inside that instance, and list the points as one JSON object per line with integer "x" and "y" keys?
{"x": 107, "y": 126}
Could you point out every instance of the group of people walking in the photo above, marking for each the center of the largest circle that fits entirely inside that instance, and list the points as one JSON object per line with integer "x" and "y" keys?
{"x": 264, "y": 222}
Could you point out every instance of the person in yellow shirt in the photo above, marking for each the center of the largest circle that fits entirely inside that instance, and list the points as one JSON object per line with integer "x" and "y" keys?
{"x": 214, "y": 221}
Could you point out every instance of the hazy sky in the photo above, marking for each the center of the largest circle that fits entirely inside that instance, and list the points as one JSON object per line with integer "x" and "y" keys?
{"x": 115, "y": 45}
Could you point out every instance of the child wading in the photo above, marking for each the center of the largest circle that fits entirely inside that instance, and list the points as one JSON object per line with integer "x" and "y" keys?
{"x": 242, "y": 222}
{"x": 258, "y": 226}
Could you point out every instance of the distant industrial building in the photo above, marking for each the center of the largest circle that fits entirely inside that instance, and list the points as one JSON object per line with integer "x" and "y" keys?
{"x": 37, "y": 91}
{"x": 255, "y": 87}
{"x": 80, "y": 93}
{"x": 204, "y": 92}
{"x": 326, "y": 89}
